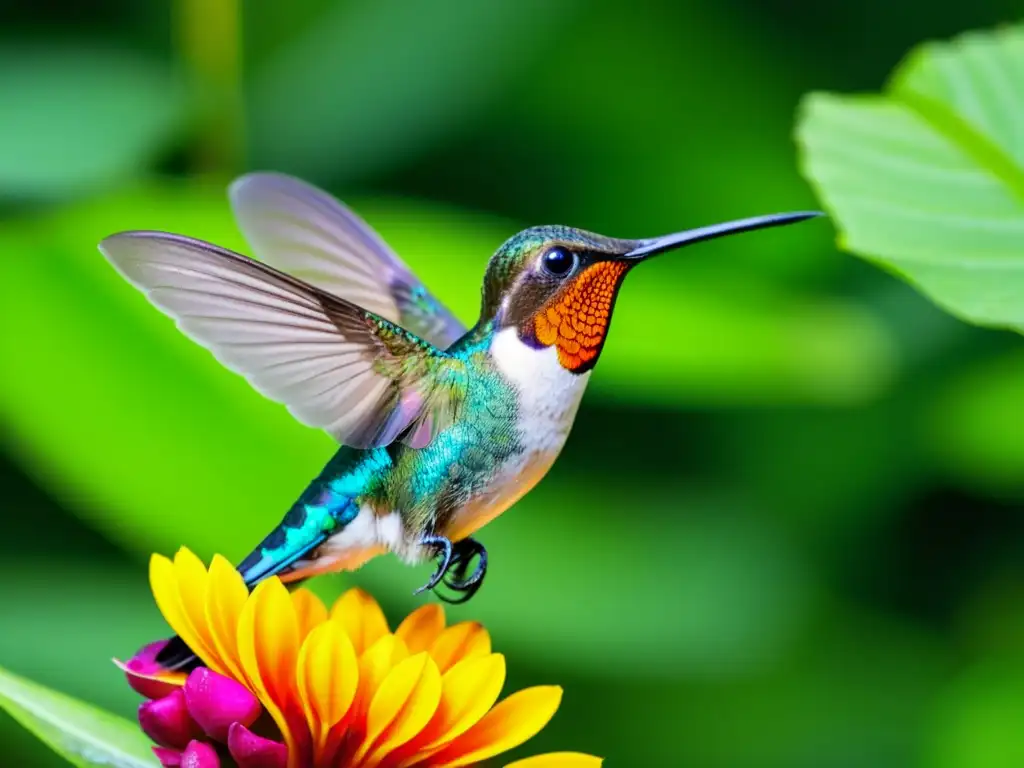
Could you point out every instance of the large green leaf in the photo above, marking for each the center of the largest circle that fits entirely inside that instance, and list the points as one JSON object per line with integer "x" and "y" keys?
{"x": 74, "y": 118}
{"x": 64, "y": 617}
{"x": 928, "y": 178}
{"x": 86, "y": 736}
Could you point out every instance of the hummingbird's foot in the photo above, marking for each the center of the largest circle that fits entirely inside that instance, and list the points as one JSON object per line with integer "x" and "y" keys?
{"x": 443, "y": 545}
{"x": 464, "y": 553}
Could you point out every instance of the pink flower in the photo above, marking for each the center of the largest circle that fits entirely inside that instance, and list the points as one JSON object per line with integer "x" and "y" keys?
{"x": 189, "y": 719}
{"x": 199, "y": 755}
{"x": 146, "y": 676}
{"x": 254, "y": 751}
{"x": 167, "y": 721}
{"x": 217, "y": 702}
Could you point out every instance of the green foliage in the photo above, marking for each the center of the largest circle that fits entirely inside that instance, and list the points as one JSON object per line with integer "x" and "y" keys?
{"x": 978, "y": 719}
{"x": 86, "y": 736}
{"x": 336, "y": 84}
{"x": 124, "y": 110}
{"x": 113, "y": 603}
{"x": 928, "y": 178}
{"x": 789, "y": 510}
{"x": 971, "y": 435}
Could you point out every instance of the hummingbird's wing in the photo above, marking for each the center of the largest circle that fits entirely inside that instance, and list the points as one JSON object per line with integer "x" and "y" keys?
{"x": 337, "y": 366}
{"x": 305, "y": 232}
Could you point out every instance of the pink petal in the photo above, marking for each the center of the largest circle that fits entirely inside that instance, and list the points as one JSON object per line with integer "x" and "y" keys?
{"x": 199, "y": 755}
{"x": 216, "y": 702}
{"x": 141, "y": 668}
{"x": 166, "y": 721}
{"x": 252, "y": 751}
{"x": 169, "y": 758}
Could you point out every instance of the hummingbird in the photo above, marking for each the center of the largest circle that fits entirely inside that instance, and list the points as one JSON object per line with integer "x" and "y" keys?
{"x": 442, "y": 427}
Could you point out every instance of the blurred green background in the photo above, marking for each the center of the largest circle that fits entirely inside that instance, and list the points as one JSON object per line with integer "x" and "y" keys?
{"x": 787, "y": 529}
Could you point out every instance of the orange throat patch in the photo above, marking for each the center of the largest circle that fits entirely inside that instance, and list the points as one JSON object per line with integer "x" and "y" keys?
{"x": 576, "y": 321}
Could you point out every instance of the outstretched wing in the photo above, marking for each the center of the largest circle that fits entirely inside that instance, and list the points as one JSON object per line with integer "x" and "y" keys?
{"x": 305, "y": 232}
{"x": 335, "y": 365}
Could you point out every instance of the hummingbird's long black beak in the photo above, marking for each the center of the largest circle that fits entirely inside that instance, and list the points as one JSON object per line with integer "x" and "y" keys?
{"x": 656, "y": 245}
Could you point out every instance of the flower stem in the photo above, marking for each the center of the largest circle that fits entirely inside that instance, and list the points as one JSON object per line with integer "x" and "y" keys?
{"x": 209, "y": 40}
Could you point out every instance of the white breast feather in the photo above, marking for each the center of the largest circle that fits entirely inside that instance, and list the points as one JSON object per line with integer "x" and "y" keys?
{"x": 548, "y": 396}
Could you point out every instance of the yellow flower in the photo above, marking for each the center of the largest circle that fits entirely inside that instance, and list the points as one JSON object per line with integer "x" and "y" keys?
{"x": 344, "y": 690}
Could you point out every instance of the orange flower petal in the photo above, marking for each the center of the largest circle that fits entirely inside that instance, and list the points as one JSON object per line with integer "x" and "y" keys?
{"x": 327, "y": 678}
{"x": 464, "y": 640}
{"x": 402, "y": 706}
{"x": 268, "y": 647}
{"x": 558, "y": 760}
{"x": 422, "y": 627}
{"x": 225, "y": 597}
{"x": 361, "y": 617}
{"x": 309, "y": 611}
{"x": 247, "y": 640}
{"x": 470, "y": 689}
{"x": 374, "y": 666}
{"x": 513, "y": 721}
{"x": 421, "y": 696}
{"x": 276, "y": 630}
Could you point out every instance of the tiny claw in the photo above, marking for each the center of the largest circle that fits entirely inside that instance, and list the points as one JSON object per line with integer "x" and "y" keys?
{"x": 465, "y": 551}
{"x": 464, "y": 597}
{"x": 444, "y": 547}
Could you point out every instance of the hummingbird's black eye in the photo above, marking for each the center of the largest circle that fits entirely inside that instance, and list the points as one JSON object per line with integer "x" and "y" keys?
{"x": 558, "y": 261}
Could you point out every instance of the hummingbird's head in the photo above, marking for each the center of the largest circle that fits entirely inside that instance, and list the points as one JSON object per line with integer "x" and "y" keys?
{"x": 557, "y": 285}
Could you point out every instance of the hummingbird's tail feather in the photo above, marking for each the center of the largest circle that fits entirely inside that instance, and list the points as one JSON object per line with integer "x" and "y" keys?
{"x": 264, "y": 562}
{"x": 301, "y": 532}
{"x": 176, "y": 656}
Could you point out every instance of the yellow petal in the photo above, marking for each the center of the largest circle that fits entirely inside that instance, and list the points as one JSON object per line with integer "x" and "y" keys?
{"x": 402, "y": 706}
{"x": 558, "y": 760}
{"x": 247, "y": 641}
{"x": 268, "y": 651}
{"x": 469, "y": 690}
{"x": 327, "y": 677}
{"x": 192, "y": 578}
{"x": 422, "y": 627}
{"x": 361, "y": 618}
{"x": 309, "y": 611}
{"x": 225, "y": 596}
{"x": 165, "y": 591}
{"x": 516, "y": 719}
{"x": 375, "y": 664}
{"x": 464, "y": 640}
{"x": 277, "y": 637}
{"x": 163, "y": 580}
